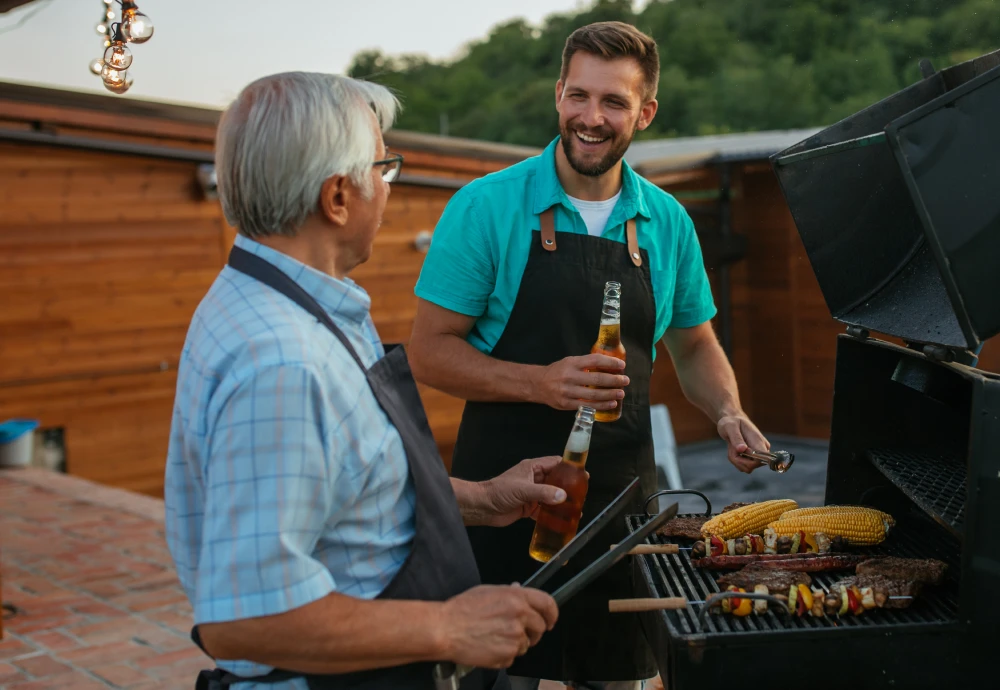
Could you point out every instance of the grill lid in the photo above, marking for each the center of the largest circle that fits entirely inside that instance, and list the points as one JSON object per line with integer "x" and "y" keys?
{"x": 898, "y": 207}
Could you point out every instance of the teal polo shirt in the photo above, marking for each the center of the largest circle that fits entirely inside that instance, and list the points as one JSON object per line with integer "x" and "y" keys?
{"x": 481, "y": 243}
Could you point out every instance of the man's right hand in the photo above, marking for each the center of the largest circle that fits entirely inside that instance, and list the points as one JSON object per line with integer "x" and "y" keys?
{"x": 565, "y": 385}
{"x": 489, "y": 626}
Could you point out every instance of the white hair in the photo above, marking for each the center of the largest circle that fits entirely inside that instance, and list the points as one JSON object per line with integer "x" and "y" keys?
{"x": 285, "y": 135}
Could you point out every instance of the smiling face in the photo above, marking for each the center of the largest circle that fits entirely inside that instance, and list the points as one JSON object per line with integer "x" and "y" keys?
{"x": 601, "y": 105}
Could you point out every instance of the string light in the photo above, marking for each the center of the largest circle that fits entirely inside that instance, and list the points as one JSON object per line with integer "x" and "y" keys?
{"x": 134, "y": 27}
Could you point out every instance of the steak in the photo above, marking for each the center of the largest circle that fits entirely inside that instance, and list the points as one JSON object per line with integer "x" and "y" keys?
{"x": 886, "y": 586}
{"x": 776, "y": 581}
{"x": 734, "y": 506}
{"x": 684, "y": 528}
{"x": 927, "y": 571}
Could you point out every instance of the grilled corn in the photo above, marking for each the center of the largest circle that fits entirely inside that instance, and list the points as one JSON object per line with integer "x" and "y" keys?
{"x": 750, "y": 519}
{"x": 824, "y": 510}
{"x": 856, "y": 528}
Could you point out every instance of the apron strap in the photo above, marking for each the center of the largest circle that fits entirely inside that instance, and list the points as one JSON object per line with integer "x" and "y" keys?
{"x": 269, "y": 274}
{"x": 633, "y": 242}
{"x": 548, "y": 235}
{"x": 548, "y": 230}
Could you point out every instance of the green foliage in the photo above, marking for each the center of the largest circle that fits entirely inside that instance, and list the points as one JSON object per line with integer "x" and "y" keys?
{"x": 726, "y": 65}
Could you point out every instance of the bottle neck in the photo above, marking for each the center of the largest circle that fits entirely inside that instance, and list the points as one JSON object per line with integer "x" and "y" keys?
{"x": 577, "y": 446}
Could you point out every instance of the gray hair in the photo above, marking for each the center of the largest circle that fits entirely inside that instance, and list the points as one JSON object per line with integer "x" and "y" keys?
{"x": 284, "y": 136}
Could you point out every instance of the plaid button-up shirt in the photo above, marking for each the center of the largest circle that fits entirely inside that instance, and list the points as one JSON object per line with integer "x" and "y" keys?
{"x": 285, "y": 480}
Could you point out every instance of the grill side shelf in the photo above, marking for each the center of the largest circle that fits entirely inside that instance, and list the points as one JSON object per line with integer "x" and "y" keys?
{"x": 935, "y": 483}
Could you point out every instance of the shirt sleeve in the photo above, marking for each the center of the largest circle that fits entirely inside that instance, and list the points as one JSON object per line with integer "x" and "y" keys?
{"x": 267, "y": 499}
{"x": 693, "y": 303}
{"x": 459, "y": 271}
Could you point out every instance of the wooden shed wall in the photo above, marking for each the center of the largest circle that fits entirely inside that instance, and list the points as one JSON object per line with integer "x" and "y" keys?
{"x": 104, "y": 257}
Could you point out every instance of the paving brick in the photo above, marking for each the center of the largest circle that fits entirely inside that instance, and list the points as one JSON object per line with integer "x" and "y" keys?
{"x": 10, "y": 674}
{"x": 74, "y": 680}
{"x": 54, "y": 641}
{"x": 42, "y": 666}
{"x": 104, "y": 654}
{"x": 187, "y": 669}
{"x": 27, "y": 625}
{"x": 99, "y": 609}
{"x": 11, "y": 648}
{"x": 121, "y": 675}
{"x": 163, "y": 639}
{"x": 171, "y": 658}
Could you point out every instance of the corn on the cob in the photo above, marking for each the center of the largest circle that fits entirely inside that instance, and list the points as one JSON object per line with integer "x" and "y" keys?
{"x": 750, "y": 519}
{"x": 857, "y": 528}
{"x": 826, "y": 510}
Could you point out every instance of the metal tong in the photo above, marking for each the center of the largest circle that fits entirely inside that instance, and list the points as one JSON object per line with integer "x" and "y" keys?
{"x": 779, "y": 461}
{"x": 447, "y": 675}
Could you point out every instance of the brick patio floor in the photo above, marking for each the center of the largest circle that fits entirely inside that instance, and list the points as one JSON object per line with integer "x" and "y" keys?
{"x": 98, "y": 603}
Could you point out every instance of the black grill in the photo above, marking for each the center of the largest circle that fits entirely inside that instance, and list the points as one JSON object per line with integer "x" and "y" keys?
{"x": 675, "y": 576}
{"x": 935, "y": 482}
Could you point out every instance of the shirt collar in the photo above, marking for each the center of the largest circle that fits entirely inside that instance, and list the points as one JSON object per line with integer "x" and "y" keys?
{"x": 549, "y": 191}
{"x": 341, "y": 297}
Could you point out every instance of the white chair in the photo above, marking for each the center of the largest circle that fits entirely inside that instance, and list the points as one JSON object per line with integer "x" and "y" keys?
{"x": 665, "y": 445}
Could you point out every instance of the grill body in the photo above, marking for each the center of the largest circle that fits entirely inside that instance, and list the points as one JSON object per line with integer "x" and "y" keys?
{"x": 929, "y": 454}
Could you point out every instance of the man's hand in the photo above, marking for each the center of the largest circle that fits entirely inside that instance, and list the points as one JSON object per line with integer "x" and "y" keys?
{"x": 740, "y": 433}
{"x": 490, "y": 626}
{"x": 518, "y": 492}
{"x": 565, "y": 385}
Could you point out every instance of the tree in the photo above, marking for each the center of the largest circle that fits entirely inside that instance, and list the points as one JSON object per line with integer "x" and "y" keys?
{"x": 725, "y": 66}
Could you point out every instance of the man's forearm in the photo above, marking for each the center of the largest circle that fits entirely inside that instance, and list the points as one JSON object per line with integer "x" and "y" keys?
{"x": 336, "y": 634}
{"x": 707, "y": 379}
{"x": 449, "y": 363}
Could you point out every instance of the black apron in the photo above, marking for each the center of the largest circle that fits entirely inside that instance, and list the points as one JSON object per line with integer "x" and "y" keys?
{"x": 557, "y": 314}
{"x": 440, "y": 564}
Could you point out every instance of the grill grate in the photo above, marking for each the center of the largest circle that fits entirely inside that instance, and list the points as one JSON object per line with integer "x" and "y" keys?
{"x": 675, "y": 576}
{"x": 936, "y": 483}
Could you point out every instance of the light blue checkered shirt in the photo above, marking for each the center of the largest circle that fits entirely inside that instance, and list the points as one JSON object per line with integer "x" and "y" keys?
{"x": 285, "y": 480}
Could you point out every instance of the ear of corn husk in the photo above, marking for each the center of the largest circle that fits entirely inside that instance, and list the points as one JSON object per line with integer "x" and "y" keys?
{"x": 750, "y": 519}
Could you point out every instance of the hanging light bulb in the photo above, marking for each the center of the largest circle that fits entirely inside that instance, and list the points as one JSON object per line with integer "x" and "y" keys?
{"x": 102, "y": 29}
{"x": 120, "y": 86}
{"x": 116, "y": 80}
{"x": 108, "y": 2}
{"x": 136, "y": 26}
{"x": 97, "y": 65}
{"x": 118, "y": 56}
{"x": 110, "y": 14}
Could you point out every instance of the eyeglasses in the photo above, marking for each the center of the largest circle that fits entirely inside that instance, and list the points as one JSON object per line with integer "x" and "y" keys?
{"x": 390, "y": 167}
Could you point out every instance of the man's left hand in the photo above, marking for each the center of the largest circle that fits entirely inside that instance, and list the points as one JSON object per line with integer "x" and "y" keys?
{"x": 518, "y": 492}
{"x": 740, "y": 433}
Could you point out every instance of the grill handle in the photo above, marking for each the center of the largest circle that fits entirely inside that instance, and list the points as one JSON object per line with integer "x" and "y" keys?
{"x": 675, "y": 492}
{"x": 717, "y": 598}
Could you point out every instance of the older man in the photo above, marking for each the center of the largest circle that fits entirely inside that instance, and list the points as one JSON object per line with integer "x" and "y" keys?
{"x": 309, "y": 515}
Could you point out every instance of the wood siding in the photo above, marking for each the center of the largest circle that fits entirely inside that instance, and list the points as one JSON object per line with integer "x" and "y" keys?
{"x": 104, "y": 257}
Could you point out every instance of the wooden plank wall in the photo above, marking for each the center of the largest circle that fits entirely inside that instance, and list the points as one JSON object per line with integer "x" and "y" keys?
{"x": 103, "y": 259}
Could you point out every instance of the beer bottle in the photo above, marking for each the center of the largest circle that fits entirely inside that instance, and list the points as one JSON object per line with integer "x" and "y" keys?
{"x": 556, "y": 525}
{"x": 609, "y": 341}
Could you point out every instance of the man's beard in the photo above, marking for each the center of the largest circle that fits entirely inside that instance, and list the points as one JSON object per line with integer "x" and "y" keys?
{"x": 605, "y": 163}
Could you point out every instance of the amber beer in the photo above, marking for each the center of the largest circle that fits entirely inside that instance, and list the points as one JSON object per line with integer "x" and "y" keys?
{"x": 556, "y": 525}
{"x": 609, "y": 341}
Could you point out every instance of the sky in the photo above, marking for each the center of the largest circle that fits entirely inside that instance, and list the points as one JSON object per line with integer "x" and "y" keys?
{"x": 204, "y": 51}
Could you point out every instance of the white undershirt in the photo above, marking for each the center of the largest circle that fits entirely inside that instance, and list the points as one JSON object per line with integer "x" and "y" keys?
{"x": 596, "y": 213}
